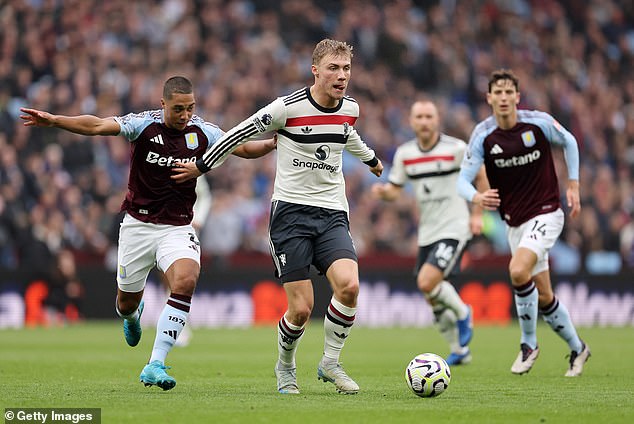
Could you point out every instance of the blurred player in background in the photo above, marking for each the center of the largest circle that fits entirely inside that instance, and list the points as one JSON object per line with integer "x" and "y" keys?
{"x": 156, "y": 229}
{"x": 309, "y": 213}
{"x": 431, "y": 162}
{"x": 515, "y": 148}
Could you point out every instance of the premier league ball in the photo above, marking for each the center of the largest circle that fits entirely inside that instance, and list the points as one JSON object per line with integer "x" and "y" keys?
{"x": 428, "y": 375}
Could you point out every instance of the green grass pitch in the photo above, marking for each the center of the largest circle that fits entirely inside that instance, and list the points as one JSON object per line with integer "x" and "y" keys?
{"x": 226, "y": 376}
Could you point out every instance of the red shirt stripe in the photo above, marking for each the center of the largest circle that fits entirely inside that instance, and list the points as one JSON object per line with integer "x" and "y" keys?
{"x": 427, "y": 159}
{"x": 301, "y": 121}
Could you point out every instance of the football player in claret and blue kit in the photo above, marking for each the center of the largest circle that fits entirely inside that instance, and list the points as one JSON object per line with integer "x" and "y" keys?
{"x": 156, "y": 229}
{"x": 515, "y": 148}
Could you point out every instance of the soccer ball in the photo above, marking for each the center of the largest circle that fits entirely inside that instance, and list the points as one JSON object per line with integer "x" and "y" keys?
{"x": 428, "y": 375}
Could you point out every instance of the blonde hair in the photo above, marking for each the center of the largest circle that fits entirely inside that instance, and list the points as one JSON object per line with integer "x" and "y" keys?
{"x": 331, "y": 47}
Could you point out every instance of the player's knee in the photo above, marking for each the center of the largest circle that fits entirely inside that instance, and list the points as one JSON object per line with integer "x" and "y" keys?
{"x": 546, "y": 297}
{"x": 426, "y": 285}
{"x": 184, "y": 284}
{"x": 348, "y": 292}
{"x": 299, "y": 314}
{"x": 303, "y": 316}
{"x": 127, "y": 305}
{"x": 519, "y": 274}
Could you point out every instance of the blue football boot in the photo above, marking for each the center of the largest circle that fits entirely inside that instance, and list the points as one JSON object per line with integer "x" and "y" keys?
{"x": 132, "y": 330}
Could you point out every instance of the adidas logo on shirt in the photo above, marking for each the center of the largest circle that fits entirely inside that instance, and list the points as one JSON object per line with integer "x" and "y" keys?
{"x": 157, "y": 139}
{"x": 496, "y": 150}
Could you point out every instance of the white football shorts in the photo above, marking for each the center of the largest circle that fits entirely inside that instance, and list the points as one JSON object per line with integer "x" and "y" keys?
{"x": 143, "y": 245}
{"x": 538, "y": 234}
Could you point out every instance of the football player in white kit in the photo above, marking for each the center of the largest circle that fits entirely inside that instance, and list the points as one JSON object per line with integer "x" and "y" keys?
{"x": 431, "y": 162}
{"x": 309, "y": 213}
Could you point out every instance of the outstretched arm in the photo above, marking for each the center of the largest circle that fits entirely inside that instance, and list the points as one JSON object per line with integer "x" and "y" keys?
{"x": 81, "y": 124}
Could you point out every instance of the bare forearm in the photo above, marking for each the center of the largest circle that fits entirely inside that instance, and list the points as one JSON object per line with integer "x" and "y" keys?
{"x": 86, "y": 124}
{"x": 82, "y": 124}
{"x": 254, "y": 149}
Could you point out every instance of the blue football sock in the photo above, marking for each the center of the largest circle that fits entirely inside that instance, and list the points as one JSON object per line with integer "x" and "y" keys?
{"x": 557, "y": 316}
{"x": 526, "y": 298}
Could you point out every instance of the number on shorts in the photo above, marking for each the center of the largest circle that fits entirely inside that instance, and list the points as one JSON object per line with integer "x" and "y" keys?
{"x": 444, "y": 253}
{"x": 538, "y": 228}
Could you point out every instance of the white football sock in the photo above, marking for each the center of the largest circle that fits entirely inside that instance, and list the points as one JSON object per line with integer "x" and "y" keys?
{"x": 445, "y": 294}
{"x": 445, "y": 322}
{"x": 337, "y": 325}
{"x": 288, "y": 338}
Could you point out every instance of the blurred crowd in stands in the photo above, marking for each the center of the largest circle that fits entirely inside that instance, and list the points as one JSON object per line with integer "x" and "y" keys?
{"x": 60, "y": 193}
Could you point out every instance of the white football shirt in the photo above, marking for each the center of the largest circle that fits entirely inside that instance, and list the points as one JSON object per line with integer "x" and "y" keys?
{"x": 433, "y": 174}
{"x": 310, "y": 144}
